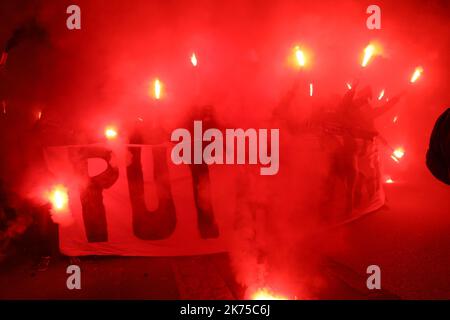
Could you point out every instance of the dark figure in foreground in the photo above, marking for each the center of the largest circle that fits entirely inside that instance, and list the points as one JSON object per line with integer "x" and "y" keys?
{"x": 438, "y": 154}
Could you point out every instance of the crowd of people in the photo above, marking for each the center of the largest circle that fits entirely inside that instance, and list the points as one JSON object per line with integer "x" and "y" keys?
{"x": 346, "y": 130}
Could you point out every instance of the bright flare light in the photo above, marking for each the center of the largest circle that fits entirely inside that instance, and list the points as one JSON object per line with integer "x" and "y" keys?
{"x": 110, "y": 133}
{"x": 349, "y": 86}
{"x": 416, "y": 75}
{"x": 397, "y": 154}
{"x": 311, "y": 89}
{"x": 264, "y": 294}
{"x": 300, "y": 56}
{"x": 389, "y": 180}
{"x": 59, "y": 198}
{"x": 157, "y": 89}
{"x": 369, "y": 52}
{"x": 381, "y": 95}
{"x": 194, "y": 60}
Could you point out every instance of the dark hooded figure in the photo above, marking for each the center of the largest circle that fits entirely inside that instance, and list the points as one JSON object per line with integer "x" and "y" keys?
{"x": 438, "y": 154}
{"x": 24, "y": 66}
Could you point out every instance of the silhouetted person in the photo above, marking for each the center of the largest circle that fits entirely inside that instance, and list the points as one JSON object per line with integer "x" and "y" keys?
{"x": 354, "y": 119}
{"x": 201, "y": 181}
{"x": 438, "y": 154}
{"x": 25, "y": 62}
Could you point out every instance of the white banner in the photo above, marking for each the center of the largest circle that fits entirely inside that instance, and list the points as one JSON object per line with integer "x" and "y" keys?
{"x": 132, "y": 200}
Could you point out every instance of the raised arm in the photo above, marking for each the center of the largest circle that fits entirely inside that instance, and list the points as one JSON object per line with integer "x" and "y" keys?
{"x": 386, "y": 107}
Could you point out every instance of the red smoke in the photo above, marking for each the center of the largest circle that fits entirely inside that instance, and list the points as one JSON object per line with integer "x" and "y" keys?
{"x": 84, "y": 80}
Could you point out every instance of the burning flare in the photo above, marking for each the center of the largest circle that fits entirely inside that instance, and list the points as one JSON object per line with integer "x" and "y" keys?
{"x": 369, "y": 52}
{"x": 311, "y": 90}
{"x": 416, "y": 75}
{"x": 300, "y": 56}
{"x": 381, "y": 95}
{"x": 59, "y": 198}
{"x": 194, "y": 60}
{"x": 389, "y": 180}
{"x": 265, "y": 294}
{"x": 157, "y": 89}
{"x": 110, "y": 133}
{"x": 397, "y": 154}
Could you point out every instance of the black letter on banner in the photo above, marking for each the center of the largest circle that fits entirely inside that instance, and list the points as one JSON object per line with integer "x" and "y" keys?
{"x": 202, "y": 194}
{"x": 161, "y": 223}
{"x": 91, "y": 190}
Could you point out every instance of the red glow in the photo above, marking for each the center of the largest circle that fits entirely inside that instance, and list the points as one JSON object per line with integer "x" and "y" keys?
{"x": 3, "y": 58}
{"x": 266, "y": 294}
{"x": 114, "y": 94}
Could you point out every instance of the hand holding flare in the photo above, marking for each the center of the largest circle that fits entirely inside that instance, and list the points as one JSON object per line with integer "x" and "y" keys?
{"x": 370, "y": 51}
{"x": 299, "y": 58}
